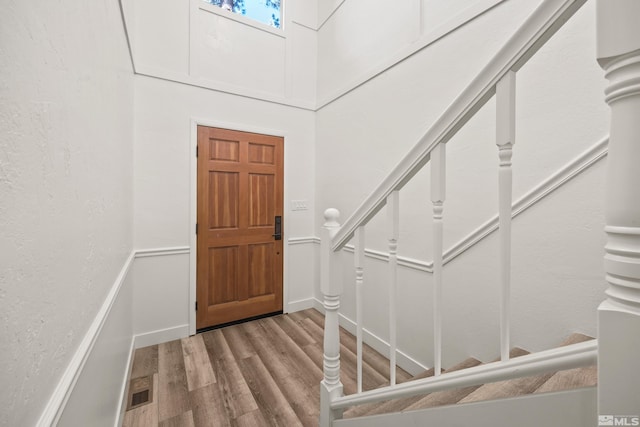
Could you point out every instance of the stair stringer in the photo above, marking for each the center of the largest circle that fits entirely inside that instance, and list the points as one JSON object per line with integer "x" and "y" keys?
{"x": 570, "y": 408}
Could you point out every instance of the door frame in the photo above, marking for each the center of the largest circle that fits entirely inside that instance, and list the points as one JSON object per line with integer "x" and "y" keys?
{"x": 193, "y": 207}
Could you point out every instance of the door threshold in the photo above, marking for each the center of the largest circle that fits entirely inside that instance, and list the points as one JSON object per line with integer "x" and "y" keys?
{"x": 237, "y": 322}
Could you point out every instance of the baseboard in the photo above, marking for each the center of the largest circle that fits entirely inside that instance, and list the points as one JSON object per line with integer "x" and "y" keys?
{"x": 300, "y": 305}
{"x": 161, "y": 335}
{"x": 125, "y": 384}
{"x": 403, "y": 360}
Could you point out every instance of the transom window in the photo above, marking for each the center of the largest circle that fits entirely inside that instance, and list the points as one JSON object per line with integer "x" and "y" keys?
{"x": 264, "y": 11}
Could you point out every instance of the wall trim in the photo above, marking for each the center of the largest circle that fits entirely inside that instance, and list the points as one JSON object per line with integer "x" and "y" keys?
{"x": 292, "y": 241}
{"x": 156, "y": 73}
{"x": 329, "y": 16}
{"x": 58, "y": 400}
{"x": 450, "y": 26}
{"x": 123, "y": 16}
{"x": 177, "y": 250}
{"x": 125, "y": 384}
{"x": 565, "y": 174}
{"x": 161, "y": 335}
{"x": 300, "y": 305}
{"x": 411, "y": 263}
{"x": 458, "y": 21}
{"x": 405, "y": 361}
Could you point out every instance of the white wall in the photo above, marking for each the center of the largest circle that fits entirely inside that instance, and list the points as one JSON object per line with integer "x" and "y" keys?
{"x": 560, "y": 114}
{"x": 199, "y": 44}
{"x": 164, "y": 179}
{"x": 97, "y": 396}
{"x": 361, "y": 33}
{"x": 66, "y": 129}
{"x": 67, "y": 167}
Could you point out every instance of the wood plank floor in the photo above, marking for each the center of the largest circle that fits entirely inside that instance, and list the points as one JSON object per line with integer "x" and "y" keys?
{"x": 267, "y": 373}
{"x": 262, "y": 373}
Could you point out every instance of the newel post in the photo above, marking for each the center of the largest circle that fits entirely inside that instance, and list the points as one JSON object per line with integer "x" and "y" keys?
{"x": 331, "y": 287}
{"x": 618, "y": 50}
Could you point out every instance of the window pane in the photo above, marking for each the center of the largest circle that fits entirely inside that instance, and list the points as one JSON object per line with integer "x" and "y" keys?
{"x": 265, "y": 11}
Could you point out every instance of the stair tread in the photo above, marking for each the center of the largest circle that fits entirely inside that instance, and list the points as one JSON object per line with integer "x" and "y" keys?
{"x": 507, "y": 388}
{"x": 524, "y": 385}
{"x": 460, "y": 394}
{"x": 394, "y": 405}
{"x": 446, "y": 397}
{"x": 570, "y": 379}
{"x": 575, "y": 338}
{"x": 552, "y": 381}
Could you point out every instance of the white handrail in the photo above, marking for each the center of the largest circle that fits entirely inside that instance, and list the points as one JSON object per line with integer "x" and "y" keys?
{"x": 561, "y": 358}
{"x": 532, "y": 35}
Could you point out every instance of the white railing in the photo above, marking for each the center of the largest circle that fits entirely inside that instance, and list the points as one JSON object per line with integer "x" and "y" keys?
{"x": 568, "y": 357}
{"x": 498, "y": 78}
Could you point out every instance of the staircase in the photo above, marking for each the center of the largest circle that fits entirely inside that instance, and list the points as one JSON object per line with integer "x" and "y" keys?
{"x": 527, "y": 386}
{"x": 544, "y": 383}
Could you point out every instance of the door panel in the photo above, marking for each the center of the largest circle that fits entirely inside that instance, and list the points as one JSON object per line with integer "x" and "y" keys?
{"x": 261, "y": 271}
{"x": 223, "y": 267}
{"x": 224, "y": 197}
{"x": 261, "y": 200}
{"x": 240, "y": 193}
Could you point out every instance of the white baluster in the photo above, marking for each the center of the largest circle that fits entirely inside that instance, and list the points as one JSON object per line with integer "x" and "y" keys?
{"x": 393, "y": 224}
{"x": 505, "y": 138}
{"x": 618, "y": 47}
{"x": 359, "y": 265}
{"x": 331, "y": 287}
{"x": 438, "y": 187}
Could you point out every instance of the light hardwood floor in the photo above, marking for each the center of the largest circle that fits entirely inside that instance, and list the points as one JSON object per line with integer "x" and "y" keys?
{"x": 267, "y": 373}
{"x": 261, "y": 373}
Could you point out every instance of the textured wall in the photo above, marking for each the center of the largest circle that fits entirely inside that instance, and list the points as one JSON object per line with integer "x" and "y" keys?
{"x": 66, "y": 129}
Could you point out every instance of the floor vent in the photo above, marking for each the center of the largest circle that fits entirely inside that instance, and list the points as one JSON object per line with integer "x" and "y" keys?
{"x": 140, "y": 392}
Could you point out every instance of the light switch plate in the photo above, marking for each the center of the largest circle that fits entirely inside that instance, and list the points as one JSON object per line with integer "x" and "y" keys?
{"x": 299, "y": 205}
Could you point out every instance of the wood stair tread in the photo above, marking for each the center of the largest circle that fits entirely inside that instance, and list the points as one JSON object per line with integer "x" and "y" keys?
{"x": 403, "y": 404}
{"x": 394, "y": 405}
{"x": 570, "y": 379}
{"x": 447, "y": 397}
{"x": 453, "y": 396}
{"x": 526, "y": 385}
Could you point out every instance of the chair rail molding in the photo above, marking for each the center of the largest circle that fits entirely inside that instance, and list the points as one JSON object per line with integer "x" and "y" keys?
{"x": 58, "y": 400}
{"x": 557, "y": 180}
{"x": 152, "y": 252}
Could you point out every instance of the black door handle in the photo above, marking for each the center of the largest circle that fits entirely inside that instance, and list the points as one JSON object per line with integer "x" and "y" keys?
{"x": 277, "y": 233}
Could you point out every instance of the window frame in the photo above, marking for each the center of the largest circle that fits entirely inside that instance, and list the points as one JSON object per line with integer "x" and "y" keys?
{"x": 243, "y": 19}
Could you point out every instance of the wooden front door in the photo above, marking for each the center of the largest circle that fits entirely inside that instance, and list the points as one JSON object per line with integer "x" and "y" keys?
{"x": 239, "y": 258}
